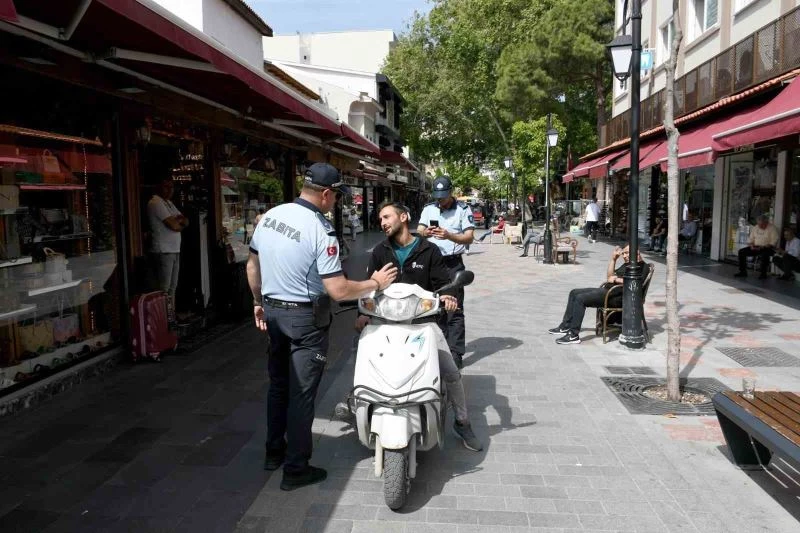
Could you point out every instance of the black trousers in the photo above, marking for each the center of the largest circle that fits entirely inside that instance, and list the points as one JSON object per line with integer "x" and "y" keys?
{"x": 577, "y": 302}
{"x": 746, "y": 252}
{"x": 455, "y": 327}
{"x": 297, "y": 357}
{"x": 591, "y": 229}
{"x": 787, "y": 263}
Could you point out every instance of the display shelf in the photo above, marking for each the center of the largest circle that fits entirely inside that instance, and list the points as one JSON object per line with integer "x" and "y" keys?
{"x": 28, "y": 365}
{"x": 16, "y": 262}
{"x": 14, "y": 211}
{"x": 67, "y": 237}
{"x": 53, "y": 187}
{"x": 54, "y": 288}
{"x": 24, "y": 310}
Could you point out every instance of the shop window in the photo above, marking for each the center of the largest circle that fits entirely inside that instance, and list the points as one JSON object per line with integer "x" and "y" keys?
{"x": 247, "y": 193}
{"x": 751, "y": 193}
{"x": 59, "y": 281}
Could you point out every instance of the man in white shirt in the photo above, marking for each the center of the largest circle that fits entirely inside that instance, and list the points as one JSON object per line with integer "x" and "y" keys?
{"x": 788, "y": 260}
{"x": 763, "y": 241}
{"x": 689, "y": 228}
{"x": 592, "y": 218}
{"x": 166, "y": 225}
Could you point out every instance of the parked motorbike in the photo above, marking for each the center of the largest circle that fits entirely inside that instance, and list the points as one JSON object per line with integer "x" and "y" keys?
{"x": 398, "y": 398}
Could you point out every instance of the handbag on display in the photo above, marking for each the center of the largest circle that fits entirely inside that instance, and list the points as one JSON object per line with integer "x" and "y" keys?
{"x": 48, "y": 166}
{"x": 36, "y": 337}
{"x": 55, "y": 262}
{"x": 9, "y": 196}
{"x": 65, "y": 325}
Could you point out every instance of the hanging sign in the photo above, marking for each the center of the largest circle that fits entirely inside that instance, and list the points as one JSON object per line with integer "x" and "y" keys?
{"x": 647, "y": 60}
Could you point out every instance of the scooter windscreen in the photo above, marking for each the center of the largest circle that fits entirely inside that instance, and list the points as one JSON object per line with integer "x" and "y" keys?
{"x": 399, "y": 302}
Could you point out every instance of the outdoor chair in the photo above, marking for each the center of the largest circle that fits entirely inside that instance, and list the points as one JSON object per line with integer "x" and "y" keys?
{"x": 513, "y": 233}
{"x": 562, "y": 246}
{"x": 604, "y": 323}
{"x": 499, "y": 233}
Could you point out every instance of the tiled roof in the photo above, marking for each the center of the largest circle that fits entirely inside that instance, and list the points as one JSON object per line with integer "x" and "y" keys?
{"x": 722, "y": 103}
{"x": 241, "y": 7}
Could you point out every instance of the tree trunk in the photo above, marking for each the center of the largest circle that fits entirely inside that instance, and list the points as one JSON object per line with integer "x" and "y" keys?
{"x": 600, "y": 93}
{"x": 673, "y": 214}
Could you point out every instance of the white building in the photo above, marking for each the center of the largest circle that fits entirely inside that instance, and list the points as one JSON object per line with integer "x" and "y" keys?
{"x": 232, "y": 23}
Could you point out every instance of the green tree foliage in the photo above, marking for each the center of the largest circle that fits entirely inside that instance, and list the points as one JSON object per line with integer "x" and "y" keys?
{"x": 470, "y": 69}
{"x": 530, "y": 148}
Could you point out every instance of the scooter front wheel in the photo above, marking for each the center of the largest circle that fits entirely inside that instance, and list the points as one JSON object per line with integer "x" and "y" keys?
{"x": 395, "y": 478}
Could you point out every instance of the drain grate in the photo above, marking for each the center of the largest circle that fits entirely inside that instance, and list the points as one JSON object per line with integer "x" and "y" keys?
{"x": 748, "y": 290}
{"x": 762, "y": 356}
{"x": 630, "y": 391}
{"x": 630, "y": 370}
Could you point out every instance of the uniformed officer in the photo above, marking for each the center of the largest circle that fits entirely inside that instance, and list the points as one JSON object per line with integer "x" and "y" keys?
{"x": 451, "y": 225}
{"x": 293, "y": 271}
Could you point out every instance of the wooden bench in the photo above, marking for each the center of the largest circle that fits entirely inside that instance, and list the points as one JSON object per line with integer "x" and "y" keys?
{"x": 756, "y": 428}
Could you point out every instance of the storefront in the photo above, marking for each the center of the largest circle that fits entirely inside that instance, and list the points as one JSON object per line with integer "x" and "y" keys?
{"x": 60, "y": 281}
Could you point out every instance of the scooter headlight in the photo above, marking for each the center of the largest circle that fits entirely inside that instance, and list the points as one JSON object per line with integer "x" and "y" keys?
{"x": 398, "y": 309}
{"x": 425, "y": 305}
{"x": 367, "y": 304}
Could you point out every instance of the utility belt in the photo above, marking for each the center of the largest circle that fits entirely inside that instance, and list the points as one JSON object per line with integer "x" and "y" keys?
{"x": 320, "y": 306}
{"x": 453, "y": 260}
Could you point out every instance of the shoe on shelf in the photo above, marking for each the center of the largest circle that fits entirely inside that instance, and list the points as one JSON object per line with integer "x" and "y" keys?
{"x": 310, "y": 476}
{"x": 558, "y": 331}
{"x": 740, "y": 274}
{"x": 569, "y": 338}
{"x": 464, "y": 431}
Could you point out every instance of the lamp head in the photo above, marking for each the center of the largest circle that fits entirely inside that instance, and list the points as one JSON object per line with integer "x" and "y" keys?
{"x": 621, "y": 50}
{"x": 552, "y": 137}
{"x": 508, "y": 162}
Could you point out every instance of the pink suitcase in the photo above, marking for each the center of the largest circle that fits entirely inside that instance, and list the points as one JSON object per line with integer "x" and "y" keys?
{"x": 150, "y": 331}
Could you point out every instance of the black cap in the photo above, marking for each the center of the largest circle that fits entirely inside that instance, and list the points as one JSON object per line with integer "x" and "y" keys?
{"x": 442, "y": 186}
{"x": 325, "y": 175}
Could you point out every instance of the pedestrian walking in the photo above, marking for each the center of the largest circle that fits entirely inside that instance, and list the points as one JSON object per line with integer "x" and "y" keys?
{"x": 592, "y": 218}
{"x": 450, "y": 226}
{"x": 294, "y": 270}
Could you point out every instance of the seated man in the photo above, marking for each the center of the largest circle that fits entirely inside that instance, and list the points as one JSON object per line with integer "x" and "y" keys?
{"x": 659, "y": 235}
{"x": 689, "y": 228}
{"x": 403, "y": 248}
{"x": 501, "y": 224}
{"x": 531, "y": 237}
{"x": 763, "y": 241}
{"x": 580, "y": 299}
{"x": 788, "y": 260}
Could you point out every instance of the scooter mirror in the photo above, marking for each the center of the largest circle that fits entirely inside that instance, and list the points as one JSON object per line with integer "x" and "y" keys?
{"x": 461, "y": 279}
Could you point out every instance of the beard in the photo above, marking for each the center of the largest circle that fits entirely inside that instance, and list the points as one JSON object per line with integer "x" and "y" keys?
{"x": 391, "y": 231}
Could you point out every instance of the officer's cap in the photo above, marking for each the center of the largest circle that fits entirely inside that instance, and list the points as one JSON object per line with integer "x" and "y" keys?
{"x": 442, "y": 187}
{"x": 325, "y": 175}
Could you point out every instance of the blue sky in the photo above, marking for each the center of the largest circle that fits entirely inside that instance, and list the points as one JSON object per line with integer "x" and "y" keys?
{"x": 290, "y": 16}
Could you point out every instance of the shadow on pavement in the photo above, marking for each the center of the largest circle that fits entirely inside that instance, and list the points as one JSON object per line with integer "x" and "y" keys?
{"x": 486, "y": 346}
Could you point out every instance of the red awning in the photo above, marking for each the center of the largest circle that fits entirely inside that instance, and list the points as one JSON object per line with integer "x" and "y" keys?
{"x": 593, "y": 168}
{"x": 7, "y": 11}
{"x": 778, "y": 118}
{"x": 396, "y": 158}
{"x": 141, "y": 39}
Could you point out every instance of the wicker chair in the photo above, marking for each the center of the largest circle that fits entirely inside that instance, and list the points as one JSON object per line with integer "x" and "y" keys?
{"x": 606, "y": 311}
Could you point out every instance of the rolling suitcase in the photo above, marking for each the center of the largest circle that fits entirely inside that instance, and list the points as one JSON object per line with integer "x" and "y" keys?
{"x": 150, "y": 326}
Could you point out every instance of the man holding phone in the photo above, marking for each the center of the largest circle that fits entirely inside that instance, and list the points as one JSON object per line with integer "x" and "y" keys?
{"x": 450, "y": 226}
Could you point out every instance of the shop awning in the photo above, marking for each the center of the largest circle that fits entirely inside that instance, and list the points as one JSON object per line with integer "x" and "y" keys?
{"x": 594, "y": 168}
{"x": 141, "y": 39}
{"x": 7, "y": 11}
{"x": 778, "y": 118}
{"x": 391, "y": 157}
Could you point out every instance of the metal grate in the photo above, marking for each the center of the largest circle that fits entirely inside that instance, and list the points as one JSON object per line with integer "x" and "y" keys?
{"x": 765, "y": 356}
{"x": 630, "y": 392}
{"x": 747, "y": 290}
{"x": 630, "y": 370}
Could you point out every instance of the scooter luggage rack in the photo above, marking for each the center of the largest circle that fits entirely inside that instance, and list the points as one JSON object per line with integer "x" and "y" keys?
{"x": 396, "y": 405}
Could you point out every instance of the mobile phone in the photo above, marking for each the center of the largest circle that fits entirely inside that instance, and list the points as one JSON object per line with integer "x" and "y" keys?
{"x": 434, "y": 223}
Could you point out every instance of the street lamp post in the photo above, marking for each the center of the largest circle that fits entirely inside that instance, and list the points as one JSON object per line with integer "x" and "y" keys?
{"x": 626, "y": 54}
{"x": 509, "y": 163}
{"x": 552, "y": 141}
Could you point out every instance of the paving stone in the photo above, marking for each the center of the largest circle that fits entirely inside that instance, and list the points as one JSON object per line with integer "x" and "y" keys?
{"x": 544, "y": 492}
{"x": 553, "y": 520}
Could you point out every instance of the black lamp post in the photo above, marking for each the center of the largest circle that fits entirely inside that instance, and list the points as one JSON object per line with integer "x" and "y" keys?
{"x": 509, "y": 164}
{"x": 552, "y": 141}
{"x": 626, "y": 54}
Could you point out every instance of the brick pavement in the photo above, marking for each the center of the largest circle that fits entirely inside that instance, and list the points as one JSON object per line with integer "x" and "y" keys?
{"x": 178, "y": 446}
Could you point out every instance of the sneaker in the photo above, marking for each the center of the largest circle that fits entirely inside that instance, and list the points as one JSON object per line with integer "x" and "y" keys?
{"x": 740, "y": 275}
{"x": 523, "y": 255}
{"x": 273, "y": 461}
{"x": 469, "y": 439}
{"x": 558, "y": 331}
{"x": 569, "y": 338}
{"x": 309, "y": 476}
{"x": 459, "y": 360}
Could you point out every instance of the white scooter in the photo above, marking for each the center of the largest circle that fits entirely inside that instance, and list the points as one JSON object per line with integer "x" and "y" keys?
{"x": 398, "y": 398}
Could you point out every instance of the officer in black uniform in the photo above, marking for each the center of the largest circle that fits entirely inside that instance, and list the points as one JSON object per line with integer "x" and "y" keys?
{"x": 293, "y": 271}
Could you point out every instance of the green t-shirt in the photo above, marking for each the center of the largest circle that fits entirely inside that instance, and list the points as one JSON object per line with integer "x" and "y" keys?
{"x": 402, "y": 252}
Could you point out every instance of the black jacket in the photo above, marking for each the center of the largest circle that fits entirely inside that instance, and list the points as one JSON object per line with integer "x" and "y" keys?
{"x": 424, "y": 266}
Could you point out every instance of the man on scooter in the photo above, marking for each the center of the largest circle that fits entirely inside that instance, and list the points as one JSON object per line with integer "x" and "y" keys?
{"x": 419, "y": 262}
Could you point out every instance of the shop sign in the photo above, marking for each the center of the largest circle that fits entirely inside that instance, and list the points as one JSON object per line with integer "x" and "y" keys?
{"x": 745, "y": 148}
{"x": 350, "y": 180}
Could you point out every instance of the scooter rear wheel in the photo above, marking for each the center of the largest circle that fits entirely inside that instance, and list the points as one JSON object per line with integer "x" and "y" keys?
{"x": 395, "y": 478}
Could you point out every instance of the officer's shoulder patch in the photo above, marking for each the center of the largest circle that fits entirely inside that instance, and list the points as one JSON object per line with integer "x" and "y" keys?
{"x": 326, "y": 224}
{"x": 462, "y": 205}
